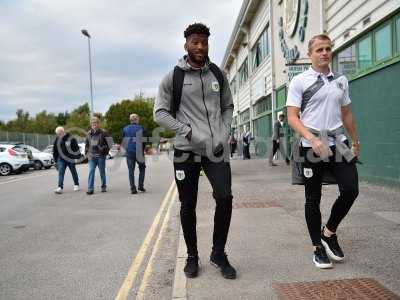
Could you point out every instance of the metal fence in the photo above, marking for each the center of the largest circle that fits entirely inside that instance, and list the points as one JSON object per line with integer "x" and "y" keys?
{"x": 39, "y": 141}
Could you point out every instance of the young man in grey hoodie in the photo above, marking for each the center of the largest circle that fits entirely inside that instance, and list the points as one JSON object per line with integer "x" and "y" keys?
{"x": 201, "y": 123}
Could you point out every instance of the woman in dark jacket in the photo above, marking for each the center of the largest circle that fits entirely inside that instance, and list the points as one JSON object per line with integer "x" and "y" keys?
{"x": 66, "y": 153}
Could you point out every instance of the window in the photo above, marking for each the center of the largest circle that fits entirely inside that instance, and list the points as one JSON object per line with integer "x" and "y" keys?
{"x": 243, "y": 73}
{"x": 346, "y": 61}
{"x": 280, "y": 100}
{"x": 233, "y": 85}
{"x": 383, "y": 42}
{"x": 245, "y": 116}
{"x": 370, "y": 50}
{"x": 397, "y": 30}
{"x": 260, "y": 50}
{"x": 365, "y": 53}
{"x": 263, "y": 105}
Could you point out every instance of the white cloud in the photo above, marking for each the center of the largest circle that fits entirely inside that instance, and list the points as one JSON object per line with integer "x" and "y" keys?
{"x": 43, "y": 57}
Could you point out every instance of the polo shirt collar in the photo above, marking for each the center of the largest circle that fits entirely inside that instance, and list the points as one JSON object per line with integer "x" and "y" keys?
{"x": 317, "y": 74}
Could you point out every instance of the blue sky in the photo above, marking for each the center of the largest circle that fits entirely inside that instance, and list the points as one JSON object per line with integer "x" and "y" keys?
{"x": 44, "y": 57}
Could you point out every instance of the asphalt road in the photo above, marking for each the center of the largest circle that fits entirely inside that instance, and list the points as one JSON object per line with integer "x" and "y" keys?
{"x": 75, "y": 246}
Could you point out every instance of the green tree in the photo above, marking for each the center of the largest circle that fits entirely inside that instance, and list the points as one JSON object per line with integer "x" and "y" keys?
{"x": 62, "y": 118}
{"x": 117, "y": 116}
{"x": 44, "y": 123}
{"x": 23, "y": 123}
{"x": 79, "y": 118}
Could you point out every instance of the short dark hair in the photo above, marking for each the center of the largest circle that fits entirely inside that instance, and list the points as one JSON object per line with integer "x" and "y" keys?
{"x": 198, "y": 28}
{"x": 323, "y": 37}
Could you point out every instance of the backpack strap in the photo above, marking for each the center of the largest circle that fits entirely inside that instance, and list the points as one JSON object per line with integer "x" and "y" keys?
{"x": 177, "y": 85}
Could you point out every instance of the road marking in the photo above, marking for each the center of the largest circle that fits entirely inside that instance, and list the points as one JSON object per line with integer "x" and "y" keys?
{"x": 179, "y": 288}
{"x": 149, "y": 268}
{"x": 21, "y": 179}
{"x": 135, "y": 266}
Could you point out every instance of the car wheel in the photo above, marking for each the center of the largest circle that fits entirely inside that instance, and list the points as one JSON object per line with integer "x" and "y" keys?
{"x": 5, "y": 169}
{"x": 37, "y": 165}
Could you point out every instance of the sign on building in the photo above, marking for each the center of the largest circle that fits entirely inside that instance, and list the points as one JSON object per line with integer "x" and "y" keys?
{"x": 294, "y": 70}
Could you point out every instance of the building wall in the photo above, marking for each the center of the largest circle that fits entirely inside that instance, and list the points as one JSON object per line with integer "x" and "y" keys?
{"x": 343, "y": 16}
{"x": 374, "y": 93}
{"x": 313, "y": 27}
{"x": 375, "y": 104}
{"x": 259, "y": 80}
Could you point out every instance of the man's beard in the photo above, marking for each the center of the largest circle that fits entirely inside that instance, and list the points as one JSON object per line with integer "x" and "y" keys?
{"x": 195, "y": 60}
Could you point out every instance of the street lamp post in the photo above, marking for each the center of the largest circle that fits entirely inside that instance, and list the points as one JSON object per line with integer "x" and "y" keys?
{"x": 86, "y": 33}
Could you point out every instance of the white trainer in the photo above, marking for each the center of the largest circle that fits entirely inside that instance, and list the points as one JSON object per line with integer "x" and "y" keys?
{"x": 76, "y": 188}
{"x": 58, "y": 190}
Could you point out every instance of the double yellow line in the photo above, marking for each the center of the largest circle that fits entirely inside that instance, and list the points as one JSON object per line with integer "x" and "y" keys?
{"x": 137, "y": 262}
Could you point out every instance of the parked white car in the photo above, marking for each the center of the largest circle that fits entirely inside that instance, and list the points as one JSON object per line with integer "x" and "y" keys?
{"x": 12, "y": 160}
{"x": 41, "y": 159}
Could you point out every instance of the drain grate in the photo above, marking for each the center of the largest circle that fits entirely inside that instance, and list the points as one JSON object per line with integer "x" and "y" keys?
{"x": 256, "y": 204}
{"x": 362, "y": 288}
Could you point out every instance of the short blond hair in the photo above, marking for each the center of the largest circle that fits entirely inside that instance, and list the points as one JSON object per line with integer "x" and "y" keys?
{"x": 322, "y": 37}
{"x": 59, "y": 130}
{"x": 94, "y": 119}
{"x": 134, "y": 118}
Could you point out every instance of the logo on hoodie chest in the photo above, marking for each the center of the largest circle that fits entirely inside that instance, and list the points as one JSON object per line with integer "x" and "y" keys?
{"x": 215, "y": 86}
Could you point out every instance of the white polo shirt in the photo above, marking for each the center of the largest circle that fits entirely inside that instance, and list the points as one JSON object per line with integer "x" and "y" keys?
{"x": 320, "y": 98}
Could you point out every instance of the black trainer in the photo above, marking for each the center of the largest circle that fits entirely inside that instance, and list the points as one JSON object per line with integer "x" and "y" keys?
{"x": 332, "y": 246}
{"x": 104, "y": 189}
{"x": 220, "y": 261}
{"x": 142, "y": 189}
{"x": 321, "y": 259}
{"x": 192, "y": 266}
{"x": 133, "y": 191}
{"x": 89, "y": 192}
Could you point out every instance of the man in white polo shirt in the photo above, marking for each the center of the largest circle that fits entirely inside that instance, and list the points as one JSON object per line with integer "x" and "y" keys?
{"x": 318, "y": 106}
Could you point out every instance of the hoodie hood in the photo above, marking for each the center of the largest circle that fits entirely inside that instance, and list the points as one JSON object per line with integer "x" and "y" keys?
{"x": 184, "y": 64}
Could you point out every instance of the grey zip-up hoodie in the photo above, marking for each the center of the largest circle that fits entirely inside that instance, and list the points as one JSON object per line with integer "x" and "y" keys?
{"x": 201, "y": 110}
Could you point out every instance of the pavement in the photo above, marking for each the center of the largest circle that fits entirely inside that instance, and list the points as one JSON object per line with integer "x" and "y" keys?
{"x": 72, "y": 246}
{"x": 269, "y": 244}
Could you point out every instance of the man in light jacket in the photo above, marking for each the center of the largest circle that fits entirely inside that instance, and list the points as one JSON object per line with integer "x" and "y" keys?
{"x": 202, "y": 124}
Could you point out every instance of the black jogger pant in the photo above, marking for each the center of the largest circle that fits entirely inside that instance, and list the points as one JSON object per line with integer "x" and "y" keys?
{"x": 187, "y": 172}
{"x": 347, "y": 179}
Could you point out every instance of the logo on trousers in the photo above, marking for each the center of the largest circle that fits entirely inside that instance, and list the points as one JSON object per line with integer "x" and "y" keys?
{"x": 308, "y": 173}
{"x": 180, "y": 175}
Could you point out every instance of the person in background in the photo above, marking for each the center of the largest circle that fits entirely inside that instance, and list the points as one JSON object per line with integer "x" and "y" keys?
{"x": 97, "y": 145}
{"x": 232, "y": 143}
{"x": 132, "y": 142}
{"x": 277, "y": 141}
{"x": 66, "y": 153}
{"x": 246, "y": 143}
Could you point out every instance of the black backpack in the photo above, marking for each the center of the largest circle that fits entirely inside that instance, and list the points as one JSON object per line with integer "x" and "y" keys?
{"x": 177, "y": 85}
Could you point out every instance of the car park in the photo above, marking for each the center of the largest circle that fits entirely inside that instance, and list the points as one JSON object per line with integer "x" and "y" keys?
{"x": 41, "y": 159}
{"x": 37, "y": 158}
{"x": 12, "y": 160}
{"x": 49, "y": 149}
